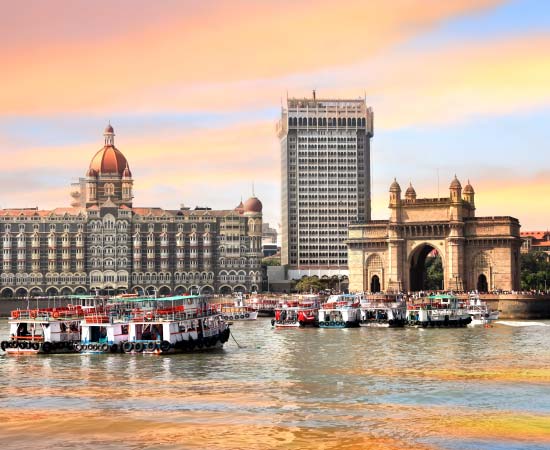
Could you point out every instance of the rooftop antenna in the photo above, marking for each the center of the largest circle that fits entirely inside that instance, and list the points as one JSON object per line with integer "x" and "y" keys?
{"x": 313, "y": 94}
{"x": 253, "y": 189}
{"x": 437, "y": 182}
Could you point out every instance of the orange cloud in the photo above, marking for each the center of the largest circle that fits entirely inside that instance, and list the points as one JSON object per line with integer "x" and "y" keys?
{"x": 234, "y": 41}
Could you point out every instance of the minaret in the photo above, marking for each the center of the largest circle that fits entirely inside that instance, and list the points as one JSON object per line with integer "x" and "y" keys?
{"x": 109, "y": 135}
{"x": 455, "y": 190}
{"x": 395, "y": 201}
{"x": 469, "y": 195}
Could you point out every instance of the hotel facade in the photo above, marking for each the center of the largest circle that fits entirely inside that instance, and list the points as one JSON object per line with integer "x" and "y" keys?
{"x": 325, "y": 186}
{"x": 104, "y": 244}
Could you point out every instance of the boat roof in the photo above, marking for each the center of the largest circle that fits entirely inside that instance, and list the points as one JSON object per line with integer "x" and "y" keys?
{"x": 172, "y": 298}
{"x": 442, "y": 296}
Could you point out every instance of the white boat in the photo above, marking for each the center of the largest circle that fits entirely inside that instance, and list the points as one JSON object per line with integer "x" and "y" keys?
{"x": 297, "y": 312}
{"x": 237, "y": 310}
{"x": 442, "y": 311}
{"x": 48, "y": 330}
{"x": 340, "y": 311}
{"x": 480, "y": 312}
{"x": 155, "y": 326}
{"x": 383, "y": 311}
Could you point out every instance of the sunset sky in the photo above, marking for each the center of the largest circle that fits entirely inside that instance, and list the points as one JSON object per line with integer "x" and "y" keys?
{"x": 194, "y": 89}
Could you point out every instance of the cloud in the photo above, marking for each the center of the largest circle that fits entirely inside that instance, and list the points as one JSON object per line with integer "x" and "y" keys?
{"x": 97, "y": 70}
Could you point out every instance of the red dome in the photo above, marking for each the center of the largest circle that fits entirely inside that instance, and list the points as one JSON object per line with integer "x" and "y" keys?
{"x": 109, "y": 160}
{"x": 253, "y": 205}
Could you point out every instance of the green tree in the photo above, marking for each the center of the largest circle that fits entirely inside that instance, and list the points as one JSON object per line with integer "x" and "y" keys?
{"x": 535, "y": 271}
{"x": 308, "y": 284}
{"x": 434, "y": 274}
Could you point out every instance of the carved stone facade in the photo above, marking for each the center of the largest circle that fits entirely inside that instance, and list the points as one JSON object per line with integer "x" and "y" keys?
{"x": 477, "y": 252}
{"x": 104, "y": 244}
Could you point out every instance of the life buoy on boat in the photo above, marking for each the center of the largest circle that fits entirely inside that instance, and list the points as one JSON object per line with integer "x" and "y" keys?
{"x": 33, "y": 314}
{"x": 47, "y": 347}
{"x": 15, "y": 314}
{"x": 55, "y": 314}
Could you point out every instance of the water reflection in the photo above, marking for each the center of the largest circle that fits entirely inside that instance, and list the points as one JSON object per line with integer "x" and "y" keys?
{"x": 299, "y": 388}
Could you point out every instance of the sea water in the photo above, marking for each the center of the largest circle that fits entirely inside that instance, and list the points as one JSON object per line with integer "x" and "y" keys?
{"x": 472, "y": 388}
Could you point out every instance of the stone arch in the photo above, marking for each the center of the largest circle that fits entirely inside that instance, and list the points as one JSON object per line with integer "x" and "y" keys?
{"x": 52, "y": 291}
{"x": 194, "y": 289}
{"x": 80, "y": 290}
{"x": 482, "y": 270}
{"x": 375, "y": 268}
{"x": 66, "y": 290}
{"x": 35, "y": 291}
{"x": 239, "y": 288}
{"x": 207, "y": 290}
{"x": 150, "y": 290}
{"x": 138, "y": 290}
{"x": 225, "y": 290}
{"x": 416, "y": 266}
{"x": 164, "y": 290}
{"x": 6, "y": 292}
{"x": 180, "y": 290}
{"x": 21, "y": 292}
{"x": 254, "y": 288}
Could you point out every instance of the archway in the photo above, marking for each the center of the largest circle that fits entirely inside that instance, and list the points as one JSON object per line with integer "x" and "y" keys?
{"x": 482, "y": 285}
{"x": 426, "y": 269}
{"x": 21, "y": 292}
{"x": 52, "y": 291}
{"x": 7, "y": 292}
{"x": 239, "y": 288}
{"x": 375, "y": 284}
{"x": 180, "y": 290}
{"x": 80, "y": 290}
{"x": 66, "y": 291}
{"x": 225, "y": 290}
{"x": 164, "y": 290}
{"x": 35, "y": 292}
{"x": 207, "y": 290}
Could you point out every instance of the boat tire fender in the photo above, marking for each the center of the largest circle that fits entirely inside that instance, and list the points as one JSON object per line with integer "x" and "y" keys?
{"x": 35, "y": 346}
{"x": 127, "y": 347}
{"x": 272, "y": 322}
{"x": 138, "y": 347}
{"x": 4, "y": 345}
{"x": 105, "y": 348}
{"x": 113, "y": 348}
{"x": 47, "y": 347}
{"x": 247, "y": 315}
{"x": 164, "y": 346}
{"x": 150, "y": 346}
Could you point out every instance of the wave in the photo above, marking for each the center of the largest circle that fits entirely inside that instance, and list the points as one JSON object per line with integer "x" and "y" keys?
{"x": 521, "y": 324}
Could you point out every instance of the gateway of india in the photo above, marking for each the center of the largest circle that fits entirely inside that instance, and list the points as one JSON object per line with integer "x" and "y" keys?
{"x": 103, "y": 244}
{"x": 477, "y": 253}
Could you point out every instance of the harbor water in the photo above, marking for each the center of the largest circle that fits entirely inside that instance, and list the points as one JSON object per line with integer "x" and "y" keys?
{"x": 473, "y": 388}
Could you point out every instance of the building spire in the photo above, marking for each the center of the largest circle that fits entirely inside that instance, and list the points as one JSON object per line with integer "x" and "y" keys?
{"x": 109, "y": 134}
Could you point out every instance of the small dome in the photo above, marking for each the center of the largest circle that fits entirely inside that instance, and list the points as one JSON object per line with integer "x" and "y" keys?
{"x": 468, "y": 189}
{"x": 395, "y": 186}
{"x": 126, "y": 173}
{"x": 91, "y": 173}
{"x": 410, "y": 192}
{"x": 253, "y": 205}
{"x": 455, "y": 184}
{"x": 109, "y": 129}
{"x": 240, "y": 207}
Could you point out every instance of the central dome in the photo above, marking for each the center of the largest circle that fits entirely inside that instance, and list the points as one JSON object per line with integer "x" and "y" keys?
{"x": 109, "y": 160}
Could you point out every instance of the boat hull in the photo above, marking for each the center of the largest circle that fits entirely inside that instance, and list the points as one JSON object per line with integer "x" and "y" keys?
{"x": 338, "y": 324}
{"x": 384, "y": 324}
{"x": 452, "y": 323}
{"x": 251, "y": 315}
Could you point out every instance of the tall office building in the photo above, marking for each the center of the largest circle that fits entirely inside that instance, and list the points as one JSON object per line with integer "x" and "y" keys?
{"x": 325, "y": 186}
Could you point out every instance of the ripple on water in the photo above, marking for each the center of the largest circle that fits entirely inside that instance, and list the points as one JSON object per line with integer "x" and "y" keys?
{"x": 304, "y": 388}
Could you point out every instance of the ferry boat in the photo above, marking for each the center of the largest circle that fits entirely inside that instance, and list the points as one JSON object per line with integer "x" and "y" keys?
{"x": 442, "y": 311}
{"x": 340, "y": 311}
{"x": 300, "y": 312}
{"x": 47, "y": 330}
{"x": 480, "y": 312}
{"x": 237, "y": 310}
{"x": 383, "y": 310}
{"x": 155, "y": 326}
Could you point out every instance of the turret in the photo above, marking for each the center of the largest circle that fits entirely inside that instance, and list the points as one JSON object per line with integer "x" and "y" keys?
{"x": 395, "y": 201}
{"x": 456, "y": 199}
{"x": 410, "y": 194}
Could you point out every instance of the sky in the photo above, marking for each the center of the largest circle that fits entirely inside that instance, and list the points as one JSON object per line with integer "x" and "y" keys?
{"x": 193, "y": 89}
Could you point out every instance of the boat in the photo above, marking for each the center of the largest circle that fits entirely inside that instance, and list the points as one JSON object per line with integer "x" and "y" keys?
{"x": 441, "y": 310}
{"x": 176, "y": 324}
{"x": 480, "y": 312}
{"x": 237, "y": 310}
{"x": 383, "y": 311}
{"x": 340, "y": 311}
{"x": 46, "y": 330}
{"x": 294, "y": 313}
{"x": 264, "y": 305}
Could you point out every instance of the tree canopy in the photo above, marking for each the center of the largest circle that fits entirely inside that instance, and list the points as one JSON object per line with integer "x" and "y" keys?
{"x": 535, "y": 271}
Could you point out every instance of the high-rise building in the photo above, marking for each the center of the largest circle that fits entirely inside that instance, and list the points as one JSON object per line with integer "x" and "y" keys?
{"x": 325, "y": 186}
